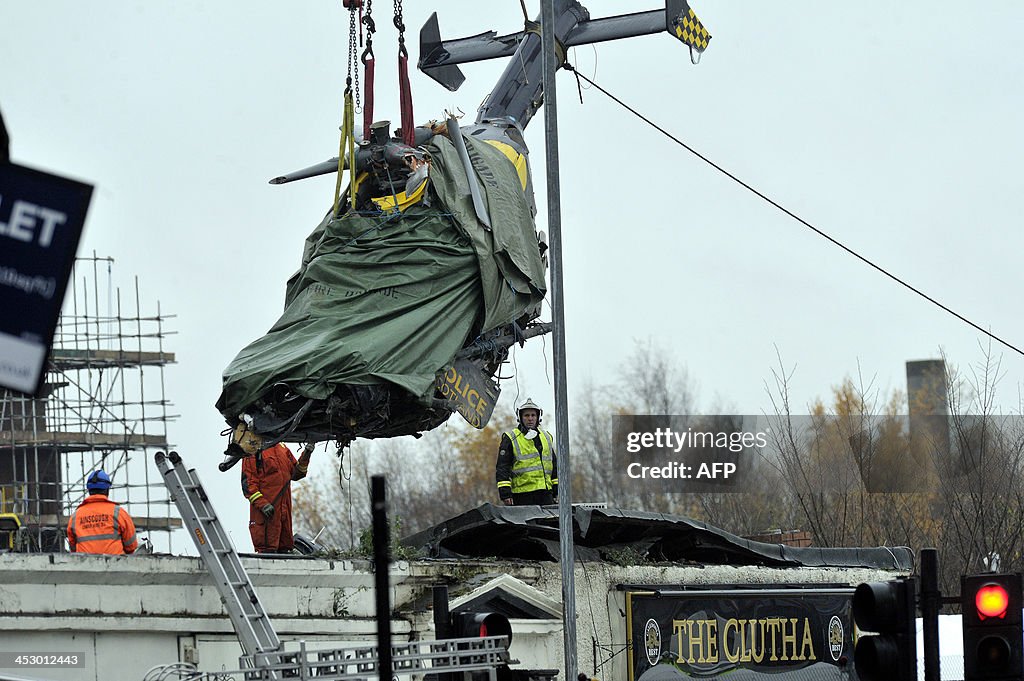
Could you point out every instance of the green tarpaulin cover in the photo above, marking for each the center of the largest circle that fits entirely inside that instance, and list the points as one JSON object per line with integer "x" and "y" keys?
{"x": 390, "y": 298}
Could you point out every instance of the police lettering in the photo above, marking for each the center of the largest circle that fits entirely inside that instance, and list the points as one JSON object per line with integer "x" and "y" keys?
{"x": 457, "y": 387}
{"x": 28, "y": 222}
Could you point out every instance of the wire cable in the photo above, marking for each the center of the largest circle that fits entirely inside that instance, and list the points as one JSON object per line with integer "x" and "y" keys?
{"x": 794, "y": 215}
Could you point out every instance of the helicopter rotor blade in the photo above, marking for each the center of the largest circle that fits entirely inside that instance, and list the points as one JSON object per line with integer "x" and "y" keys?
{"x": 324, "y": 168}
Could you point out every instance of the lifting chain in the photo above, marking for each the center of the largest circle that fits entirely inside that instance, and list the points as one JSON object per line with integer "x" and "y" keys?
{"x": 353, "y": 59}
{"x": 371, "y": 28}
{"x": 400, "y": 25}
{"x": 346, "y": 145}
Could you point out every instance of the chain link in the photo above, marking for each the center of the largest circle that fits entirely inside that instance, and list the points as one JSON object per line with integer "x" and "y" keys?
{"x": 368, "y": 19}
{"x": 353, "y": 56}
{"x": 400, "y": 25}
{"x": 371, "y": 28}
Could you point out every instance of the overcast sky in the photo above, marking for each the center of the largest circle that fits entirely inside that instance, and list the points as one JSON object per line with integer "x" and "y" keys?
{"x": 893, "y": 126}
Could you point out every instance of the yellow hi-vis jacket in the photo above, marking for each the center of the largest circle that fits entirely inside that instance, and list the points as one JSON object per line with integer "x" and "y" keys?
{"x": 531, "y": 470}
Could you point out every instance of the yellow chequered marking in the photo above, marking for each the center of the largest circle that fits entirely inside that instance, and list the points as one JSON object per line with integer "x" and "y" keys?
{"x": 692, "y": 32}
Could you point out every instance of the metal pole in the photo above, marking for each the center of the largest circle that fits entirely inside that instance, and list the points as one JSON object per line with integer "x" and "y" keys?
{"x": 552, "y": 62}
{"x": 442, "y": 623}
{"x": 381, "y": 564}
{"x": 930, "y": 598}
{"x": 442, "y": 620}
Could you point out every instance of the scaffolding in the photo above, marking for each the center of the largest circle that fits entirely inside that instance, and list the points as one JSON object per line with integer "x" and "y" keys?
{"x": 102, "y": 405}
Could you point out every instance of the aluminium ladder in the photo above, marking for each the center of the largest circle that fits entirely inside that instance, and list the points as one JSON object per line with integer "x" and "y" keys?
{"x": 249, "y": 619}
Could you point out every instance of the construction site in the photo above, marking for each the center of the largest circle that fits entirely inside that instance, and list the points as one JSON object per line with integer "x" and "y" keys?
{"x": 102, "y": 406}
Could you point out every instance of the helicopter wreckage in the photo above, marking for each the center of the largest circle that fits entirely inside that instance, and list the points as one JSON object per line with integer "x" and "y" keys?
{"x": 427, "y": 268}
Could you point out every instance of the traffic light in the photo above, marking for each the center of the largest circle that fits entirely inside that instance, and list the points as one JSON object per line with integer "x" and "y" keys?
{"x": 888, "y": 609}
{"x": 481, "y": 625}
{"x": 992, "y": 627}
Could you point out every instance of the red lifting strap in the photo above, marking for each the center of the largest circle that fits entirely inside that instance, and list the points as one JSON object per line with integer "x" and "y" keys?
{"x": 405, "y": 99}
{"x": 368, "y": 62}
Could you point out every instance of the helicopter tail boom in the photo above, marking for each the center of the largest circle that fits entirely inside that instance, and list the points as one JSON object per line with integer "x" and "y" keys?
{"x": 438, "y": 58}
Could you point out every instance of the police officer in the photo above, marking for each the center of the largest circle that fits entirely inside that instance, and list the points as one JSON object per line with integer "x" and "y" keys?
{"x": 527, "y": 469}
{"x": 99, "y": 525}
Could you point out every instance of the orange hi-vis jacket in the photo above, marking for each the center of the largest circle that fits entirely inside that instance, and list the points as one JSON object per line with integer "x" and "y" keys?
{"x": 99, "y": 525}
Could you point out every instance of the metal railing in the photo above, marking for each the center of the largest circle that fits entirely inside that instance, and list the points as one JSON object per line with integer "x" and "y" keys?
{"x": 455, "y": 656}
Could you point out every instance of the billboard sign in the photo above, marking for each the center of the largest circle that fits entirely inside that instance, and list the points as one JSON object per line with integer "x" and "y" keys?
{"x": 41, "y": 220}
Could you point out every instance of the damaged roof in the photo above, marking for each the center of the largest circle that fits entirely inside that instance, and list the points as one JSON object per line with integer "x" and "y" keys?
{"x": 531, "y": 533}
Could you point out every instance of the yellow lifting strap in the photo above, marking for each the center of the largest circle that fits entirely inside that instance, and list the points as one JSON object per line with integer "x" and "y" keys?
{"x": 347, "y": 144}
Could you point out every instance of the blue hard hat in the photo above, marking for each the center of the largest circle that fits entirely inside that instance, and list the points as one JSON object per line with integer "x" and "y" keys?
{"x": 98, "y": 481}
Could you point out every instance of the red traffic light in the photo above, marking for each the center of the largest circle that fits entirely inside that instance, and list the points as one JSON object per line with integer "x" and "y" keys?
{"x": 482, "y": 624}
{"x": 992, "y": 605}
{"x": 991, "y": 600}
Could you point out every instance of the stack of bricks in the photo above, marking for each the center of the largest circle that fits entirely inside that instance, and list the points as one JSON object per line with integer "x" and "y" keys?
{"x": 788, "y": 538}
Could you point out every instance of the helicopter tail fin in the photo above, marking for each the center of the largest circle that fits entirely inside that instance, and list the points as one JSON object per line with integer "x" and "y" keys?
{"x": 450, "y": 76}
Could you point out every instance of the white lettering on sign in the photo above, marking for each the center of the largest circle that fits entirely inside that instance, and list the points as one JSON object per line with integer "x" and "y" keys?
{"x": 44, "y": 286}
{"x": 29, "y": 221}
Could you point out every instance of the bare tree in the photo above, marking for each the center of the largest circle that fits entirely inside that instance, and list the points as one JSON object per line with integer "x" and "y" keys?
{"x": 859, "y": 475}
{"x": 338, "y": 501}
{"x": 652, "y": 382}
{"x": 982, "y": 475}
{"x": 648, "y": 381}
{"x": 850, "y": 469}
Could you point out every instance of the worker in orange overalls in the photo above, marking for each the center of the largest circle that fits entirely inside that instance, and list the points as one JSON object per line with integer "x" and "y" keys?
{"x": 99, "y": 525}
{"x": 266, "y": 482}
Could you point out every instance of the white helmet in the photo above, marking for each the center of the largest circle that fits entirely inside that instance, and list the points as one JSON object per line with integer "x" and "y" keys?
{"x": 529, "y": 404}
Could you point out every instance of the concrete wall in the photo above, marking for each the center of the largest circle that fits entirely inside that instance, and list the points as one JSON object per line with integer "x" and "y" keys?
{"x": 127, "y": 614}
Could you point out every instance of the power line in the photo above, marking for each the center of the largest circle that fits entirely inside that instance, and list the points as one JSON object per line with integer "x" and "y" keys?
{"x": 793, "y": 215}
